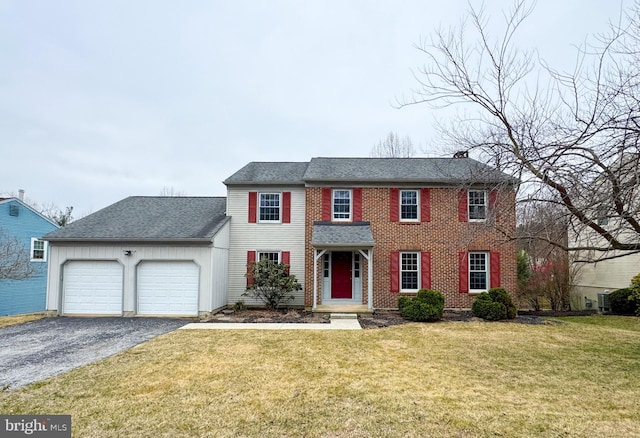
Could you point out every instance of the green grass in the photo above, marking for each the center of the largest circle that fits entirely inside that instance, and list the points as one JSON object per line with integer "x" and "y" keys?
{"x": 577, "y": 378}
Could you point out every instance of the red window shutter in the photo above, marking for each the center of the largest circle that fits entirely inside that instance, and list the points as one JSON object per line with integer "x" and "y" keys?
{"x": 253, "y": 206}
{"x": 357, "y": 205}
{"x": 251, "y": 258}
{"x": 425, "y": 205}
{"x": 463, "y": 272}
{"x": 494, "y": 268}
{"x": 285, "y": 257}
{"x": 425, "y": 262}
{"x": 394, "y": 270}
{"x": 286, "y": 207}
{"x": 395, "y": 205}
{"x": 326, "y": 204}
{"x": 462, "y": 206}
{"x": 493, "y": 204}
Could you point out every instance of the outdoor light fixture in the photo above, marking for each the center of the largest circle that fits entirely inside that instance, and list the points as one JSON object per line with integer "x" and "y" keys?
{"x": 127, "y": 252}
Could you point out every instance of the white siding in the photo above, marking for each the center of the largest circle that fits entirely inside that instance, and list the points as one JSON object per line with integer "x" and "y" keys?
{"x": 202, "y": 255}
{"x": 594, "y": 278}
{"x": 247, "y": 236}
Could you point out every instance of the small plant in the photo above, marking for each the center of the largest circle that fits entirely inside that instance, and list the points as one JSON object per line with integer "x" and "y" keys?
{"x": 427, "y": 305}
{"x": 635, "y": 292}
{"x": 494, "y": 305}
{"x": 271, "y": 283}
{"x": 239, "y": 306}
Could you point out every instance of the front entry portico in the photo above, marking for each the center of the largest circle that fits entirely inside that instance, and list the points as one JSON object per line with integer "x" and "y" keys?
{"x": 343, "y": 264}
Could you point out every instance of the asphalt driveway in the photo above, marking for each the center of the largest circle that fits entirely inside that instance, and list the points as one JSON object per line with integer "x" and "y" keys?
{"x": 44, "y": 348}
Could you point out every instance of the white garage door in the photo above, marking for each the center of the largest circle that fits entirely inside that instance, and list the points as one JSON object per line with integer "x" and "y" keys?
{"x": 92, "y": 287}
{"x": 168, "y": 288}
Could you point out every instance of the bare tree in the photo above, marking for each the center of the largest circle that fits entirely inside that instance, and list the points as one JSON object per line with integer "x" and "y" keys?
{"x": 393, "y": 147}
{"x": 171, "y": 191}
{"x": 574, "y": 143}
{"x": 14, "y": 259}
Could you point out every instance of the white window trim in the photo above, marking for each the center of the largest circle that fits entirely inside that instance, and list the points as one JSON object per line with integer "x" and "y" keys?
{"x": 419, "y": 262}
{"x": 333, "y": 212}
{"x": 46, "y": 246}
{"x": 261, "y": 221}
{"x": 487, "y": 271}
{"x": 417, "y": 205}
{"x": 486, "y": 206}
{"x": 258, "y": 252}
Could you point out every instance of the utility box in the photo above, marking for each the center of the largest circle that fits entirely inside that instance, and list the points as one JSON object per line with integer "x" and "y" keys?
{"x": 604, "y": 304}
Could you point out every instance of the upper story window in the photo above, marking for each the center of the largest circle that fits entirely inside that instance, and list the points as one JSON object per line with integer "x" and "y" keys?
{"x": 269, "y": 210}
{"x": 409, "y": 205}
{"x": 274, "y": 256}
{"x": 602, "y": 216}
{"x": 478, "y": 271}
{"x": 342, "y": 205}
{"x": 477, "y": 205}
{"x": 38, "y": 250}
{"x": 409, "y": 271}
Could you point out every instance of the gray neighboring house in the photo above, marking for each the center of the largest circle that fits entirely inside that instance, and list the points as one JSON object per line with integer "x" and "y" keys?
{"x": 148, "y": 256}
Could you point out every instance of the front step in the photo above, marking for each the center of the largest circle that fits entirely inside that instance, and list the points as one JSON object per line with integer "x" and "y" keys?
{"x": 344, "y": 316}
{"x": 338, "y": 308}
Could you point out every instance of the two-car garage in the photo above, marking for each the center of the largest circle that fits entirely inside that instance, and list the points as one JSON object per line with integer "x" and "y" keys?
{"x": 95, "y": 287}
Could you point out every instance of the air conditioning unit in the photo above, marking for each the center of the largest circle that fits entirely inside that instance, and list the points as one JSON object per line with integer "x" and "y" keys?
{"x": 603, "y": 301}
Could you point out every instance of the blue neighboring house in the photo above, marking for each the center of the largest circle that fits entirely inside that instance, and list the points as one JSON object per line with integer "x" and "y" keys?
{"x": 20, "y": 222}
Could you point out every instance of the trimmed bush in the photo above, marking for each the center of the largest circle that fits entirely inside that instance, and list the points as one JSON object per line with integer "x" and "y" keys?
{"x": 622, "y": 301}
{"x": 500, "y": 295}
{"x": 427, "y": 305}
{"x": 484, "y": 307}
{"x": 494, "y": 305}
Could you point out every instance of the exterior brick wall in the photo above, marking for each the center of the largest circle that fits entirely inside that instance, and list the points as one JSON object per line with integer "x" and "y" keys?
{"x": 444, "y": 237}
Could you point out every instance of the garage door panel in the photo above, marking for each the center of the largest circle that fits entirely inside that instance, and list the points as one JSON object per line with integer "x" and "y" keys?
{"x": 92, "y": 287}
{"x": 168, "y": 288}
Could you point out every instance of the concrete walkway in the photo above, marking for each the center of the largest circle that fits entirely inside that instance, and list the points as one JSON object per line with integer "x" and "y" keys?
{"x": 335, "y": 324}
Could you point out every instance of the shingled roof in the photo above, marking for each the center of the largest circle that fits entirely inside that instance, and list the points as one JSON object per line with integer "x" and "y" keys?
{"x": 269, "y": 173}
{"x": 327, "y": 234}
{"x": 143, "y": 218}
{"x": 409, "y": 170}
{"x": 370, "y": 170}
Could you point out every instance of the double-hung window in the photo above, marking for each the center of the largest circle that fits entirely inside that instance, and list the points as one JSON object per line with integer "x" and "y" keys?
{"x": 38, "y": 250}
{"x": 477, "y": 205}
{"x": 478, "y": 271}
{"x": 409, "y": 202}
{"x": 342, "y": 205}
{"x": 269, "y": 207}
{"x": 409, "y": 271}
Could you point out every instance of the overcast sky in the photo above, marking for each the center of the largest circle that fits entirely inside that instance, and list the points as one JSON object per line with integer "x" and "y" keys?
{"x": 100, "y": 100}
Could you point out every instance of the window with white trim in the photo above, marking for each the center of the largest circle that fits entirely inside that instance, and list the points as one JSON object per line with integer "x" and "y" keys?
{"x": 409, "y": 271}
{"x": 602, "y": 217}
{"x": 342, "y": 205}
{"x": 477, "y": 205}
{"x": 274, "y": 256}
{"x": 269, "y": 207}
{"x": 409, "y": 206}
{"x": 38, "y": 250}
{"x": 478, "y": 272}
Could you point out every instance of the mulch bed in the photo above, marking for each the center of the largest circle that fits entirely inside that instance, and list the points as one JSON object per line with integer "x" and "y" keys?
{"x": 379, "y": 319}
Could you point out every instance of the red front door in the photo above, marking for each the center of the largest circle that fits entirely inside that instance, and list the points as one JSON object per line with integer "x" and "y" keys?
{"x": 341, "y": 275}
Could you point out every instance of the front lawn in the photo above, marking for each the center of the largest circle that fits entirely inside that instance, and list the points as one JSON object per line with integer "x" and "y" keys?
{"x": 577, "y": 377}
{"x": 6, "y": 321}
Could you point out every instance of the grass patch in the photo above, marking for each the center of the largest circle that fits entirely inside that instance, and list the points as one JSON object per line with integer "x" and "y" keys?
{"x": 6, "y": 321}
{"x": 446, "y": 379}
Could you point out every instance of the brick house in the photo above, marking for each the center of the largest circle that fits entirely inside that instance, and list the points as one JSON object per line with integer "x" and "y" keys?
{"x": 362, "y": 231}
